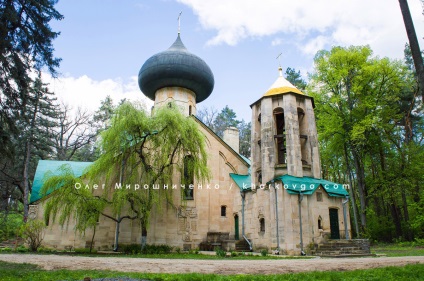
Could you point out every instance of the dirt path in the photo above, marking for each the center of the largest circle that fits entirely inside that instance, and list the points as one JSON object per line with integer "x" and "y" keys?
{"x": 51, "y": 262}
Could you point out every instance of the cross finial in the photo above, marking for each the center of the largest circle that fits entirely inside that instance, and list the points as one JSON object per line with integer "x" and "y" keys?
{"x": 280, "y": 69}
{"x": 179, "y": 22}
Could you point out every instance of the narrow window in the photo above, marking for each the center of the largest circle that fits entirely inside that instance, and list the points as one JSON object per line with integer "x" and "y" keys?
{"x": 262, "y": 224}
{"x": 319, "y": 223}
{"x": 319, "y": 196}
{"x": 188, "y": 178}
{"x": 223, "y": 211}
{"x": 260, "y": 178}
{"x": 189, "y": 110}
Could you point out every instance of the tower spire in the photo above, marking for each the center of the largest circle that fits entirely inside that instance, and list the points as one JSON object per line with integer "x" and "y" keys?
{"x": 280, "y": 69}
{"x": 179, "y": 23}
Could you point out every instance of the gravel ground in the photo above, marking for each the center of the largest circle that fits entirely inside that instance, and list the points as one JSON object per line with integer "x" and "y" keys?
{"x": 227, "y": 266}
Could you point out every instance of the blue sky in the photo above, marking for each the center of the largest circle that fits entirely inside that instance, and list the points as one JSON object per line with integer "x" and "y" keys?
{"x": 104, "y": 43}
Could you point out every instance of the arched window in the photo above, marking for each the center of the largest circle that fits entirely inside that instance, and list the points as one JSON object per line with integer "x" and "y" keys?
{"x": 320, "y": 222}
{"x": 188, "y": 178}
{"x": 223, "y": 211}
{"x": 262, "y": 225}
{"x": 280, "y": 136}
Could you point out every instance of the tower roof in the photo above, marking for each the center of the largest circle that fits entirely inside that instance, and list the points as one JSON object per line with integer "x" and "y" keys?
{"x": 176, "y": 67}
{"x": 282, "y": 86}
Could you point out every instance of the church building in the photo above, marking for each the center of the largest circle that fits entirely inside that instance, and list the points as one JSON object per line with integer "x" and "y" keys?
{"x": 275, "y": 201}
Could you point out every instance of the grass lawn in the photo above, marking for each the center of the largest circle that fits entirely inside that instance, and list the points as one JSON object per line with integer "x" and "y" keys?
{"x": 12, "y": 271}
{"x": 396, "y": 250}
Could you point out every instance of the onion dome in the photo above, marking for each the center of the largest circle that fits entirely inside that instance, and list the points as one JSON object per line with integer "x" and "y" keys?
{"x": 176, "y": 67}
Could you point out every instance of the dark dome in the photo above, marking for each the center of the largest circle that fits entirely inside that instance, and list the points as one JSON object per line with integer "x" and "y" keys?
{"x": 176, "y": 67}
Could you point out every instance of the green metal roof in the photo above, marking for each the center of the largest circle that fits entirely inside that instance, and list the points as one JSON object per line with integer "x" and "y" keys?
{"x": 45, "y": 166}
{"x": 244, "y": 182}
{"x": 308, "y": 185}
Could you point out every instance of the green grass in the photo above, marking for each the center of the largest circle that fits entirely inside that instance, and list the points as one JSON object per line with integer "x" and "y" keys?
{"x": 170, "y": 256}
{"x": 12, "y": 271}
{"x": 396, "y": 250}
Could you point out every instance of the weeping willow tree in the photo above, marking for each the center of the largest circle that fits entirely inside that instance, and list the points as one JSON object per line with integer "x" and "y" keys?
{"x": 140, "y": 155}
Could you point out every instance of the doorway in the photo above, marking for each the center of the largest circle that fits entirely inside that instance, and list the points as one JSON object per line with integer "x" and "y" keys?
{"x": 334, "y": 224}
{"x": 236, "y": 228}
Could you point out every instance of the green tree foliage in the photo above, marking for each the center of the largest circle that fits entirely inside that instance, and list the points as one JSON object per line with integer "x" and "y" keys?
{"x": 136, "y": 149}
{"x": 360, "y": 108}
{"x": 245, "y": 130}
{"x": 295, "y": 78}
{"x": 218, "y": 122}
{"x": 226, "y": 118}
{"x": 25, "y": 44}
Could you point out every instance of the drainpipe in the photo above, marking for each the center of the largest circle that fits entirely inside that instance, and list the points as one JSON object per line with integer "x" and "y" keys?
{"x": 242, "y": 212}
{"x": 276, "y": 217}
{"x": 345, "y": 216}
{"x": 300, "y": 224}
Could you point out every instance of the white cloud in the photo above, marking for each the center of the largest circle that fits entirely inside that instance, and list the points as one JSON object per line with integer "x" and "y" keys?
{"x": 309, "y": 23}
{"x": 87, "y": 93}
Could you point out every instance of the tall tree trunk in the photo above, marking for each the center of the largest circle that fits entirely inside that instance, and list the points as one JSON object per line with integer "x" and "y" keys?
{"x": 92, "y": 238}
{"x": 396, "y": 218}
{"x": 143, "y": 234}
{"x": 360, "y": 174}
{"x": 26, "y": 180}
{"x": 351, "y": 193}
{"x": 413, "y": 43}
{"x": 27, "y": 189}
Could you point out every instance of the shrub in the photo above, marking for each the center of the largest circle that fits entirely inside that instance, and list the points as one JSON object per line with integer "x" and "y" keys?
{"x": 22, "y": 249}
{"x": 9, "y": 226}
{"x": 133, "y": 249}
{"x": 6, "y": 249}
{"x": 220, "y": 252}
{"x": 33, "y": 233}
{"x": 234, "y": 254}
{"x": 264, "y": 252}
{"x": 84, "y": 251}
{"x": 46, "y": 250}
{"x": 178, "y": 250}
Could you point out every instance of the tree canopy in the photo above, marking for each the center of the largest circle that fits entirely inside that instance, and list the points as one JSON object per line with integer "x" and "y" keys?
{"x": 364, "y": 138}
{"x": 137, "y": 150}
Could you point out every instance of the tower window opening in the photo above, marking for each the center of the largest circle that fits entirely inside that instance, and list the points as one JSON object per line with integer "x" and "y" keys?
{"x": 189, "y": 110}
{"x": 280, "y": 135}
{"x": 303, "y": 135}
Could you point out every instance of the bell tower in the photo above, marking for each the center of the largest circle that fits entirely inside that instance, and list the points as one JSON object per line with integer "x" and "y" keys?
{"x": 284, "y": 134}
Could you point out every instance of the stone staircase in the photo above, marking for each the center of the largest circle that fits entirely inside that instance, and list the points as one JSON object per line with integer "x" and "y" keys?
{"x": 11, "y": 243}
{"x": 242, "y": 246}
{"x": 344, "y": 248}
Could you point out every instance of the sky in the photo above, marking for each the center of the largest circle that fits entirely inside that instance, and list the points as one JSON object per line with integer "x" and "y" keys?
{"x": 104, "y": 43}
